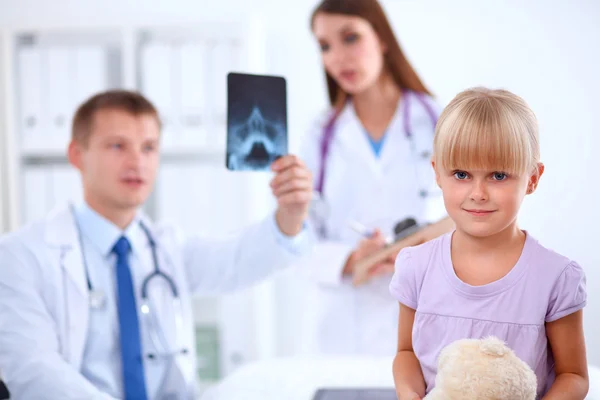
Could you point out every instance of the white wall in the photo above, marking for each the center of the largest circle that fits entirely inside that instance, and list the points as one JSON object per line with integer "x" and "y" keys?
{"x": 547, "y": 52}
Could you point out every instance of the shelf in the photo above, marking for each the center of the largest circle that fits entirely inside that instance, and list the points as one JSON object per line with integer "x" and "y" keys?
{"x": 50, "y": 156}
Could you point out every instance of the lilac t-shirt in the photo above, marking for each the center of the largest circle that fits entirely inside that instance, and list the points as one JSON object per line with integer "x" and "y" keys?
{"x": 543, "y": 286}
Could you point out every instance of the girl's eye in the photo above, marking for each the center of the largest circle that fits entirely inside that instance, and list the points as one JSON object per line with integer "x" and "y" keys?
{"x": 324, "y": 47}
{"x": 499, "y": 176}
{"x": 461, "y": 175}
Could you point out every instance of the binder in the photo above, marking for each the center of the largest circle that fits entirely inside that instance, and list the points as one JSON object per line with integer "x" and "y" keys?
{"x": 57, "y": 100}
{"x": 30, "y": 91}
{"x": 222, "y": 64}
{"x": 192, "y": 90}
{"x": 91, "y": 73}
{"x": 362, "y": 267}
{"x": 157, "y": 84}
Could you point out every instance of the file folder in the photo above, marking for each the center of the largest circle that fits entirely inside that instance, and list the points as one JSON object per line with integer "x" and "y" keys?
{"x": 91, "y": 73}
{"x": 57, "y": 100}
{"x": 157, "y": 84}
{"x": 30, "y": 96}
{"x": 193, "y": 92}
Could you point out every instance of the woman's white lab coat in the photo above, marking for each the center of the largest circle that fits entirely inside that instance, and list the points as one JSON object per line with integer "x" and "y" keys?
{"x": 44, "y": 297}
{"x": 377, "y": 192}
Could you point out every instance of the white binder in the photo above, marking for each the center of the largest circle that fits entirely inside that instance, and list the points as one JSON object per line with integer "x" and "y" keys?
{"x": 30, "y": 96}
{"x": 157, "y": 85}
{"x": 192, "y": 93}
{"x": 57, "y": 100}
{"x": 90, "y": 75}
{"x": 222, "y": 65}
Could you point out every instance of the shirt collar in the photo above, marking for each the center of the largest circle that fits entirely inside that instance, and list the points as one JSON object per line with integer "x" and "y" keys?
{"x": 103, "y": 234}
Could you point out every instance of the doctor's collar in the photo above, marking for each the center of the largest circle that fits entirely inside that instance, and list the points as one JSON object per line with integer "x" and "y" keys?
{"x": 103, "y": 234}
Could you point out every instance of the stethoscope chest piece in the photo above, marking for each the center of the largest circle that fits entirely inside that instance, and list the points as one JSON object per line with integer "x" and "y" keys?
{"x": 319, "y": 207}
{"x": 97, "y": 299}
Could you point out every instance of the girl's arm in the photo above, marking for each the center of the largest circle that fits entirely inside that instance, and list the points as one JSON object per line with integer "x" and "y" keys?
{"x": 568, "y": 347}
{"x": 408, "y": 377}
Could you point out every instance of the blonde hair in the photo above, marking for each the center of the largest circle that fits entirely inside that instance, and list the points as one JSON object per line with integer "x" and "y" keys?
{"x": 485, "y": 129}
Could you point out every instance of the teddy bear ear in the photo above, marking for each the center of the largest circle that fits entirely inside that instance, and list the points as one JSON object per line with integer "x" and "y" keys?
{"x": 493, "y": 346}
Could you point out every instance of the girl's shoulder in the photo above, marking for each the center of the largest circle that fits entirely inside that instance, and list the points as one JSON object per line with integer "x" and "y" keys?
{"x": 411, "y": 266}
{"x": 560, "y": 279}
{"x": 548, "y": 260}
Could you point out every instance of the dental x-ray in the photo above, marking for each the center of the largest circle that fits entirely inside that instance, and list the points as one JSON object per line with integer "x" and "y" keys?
{"x": 256, "y": 121}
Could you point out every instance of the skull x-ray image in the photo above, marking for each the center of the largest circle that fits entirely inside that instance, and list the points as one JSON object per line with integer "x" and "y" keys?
{"x": 256, "y": 121}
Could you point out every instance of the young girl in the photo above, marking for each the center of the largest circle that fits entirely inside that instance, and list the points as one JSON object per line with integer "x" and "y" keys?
{"x": 489, "y": 277}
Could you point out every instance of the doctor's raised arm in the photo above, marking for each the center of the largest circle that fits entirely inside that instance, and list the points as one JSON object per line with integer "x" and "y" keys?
{"x": 95, "y": 297}
{"x": 370, "y": 155}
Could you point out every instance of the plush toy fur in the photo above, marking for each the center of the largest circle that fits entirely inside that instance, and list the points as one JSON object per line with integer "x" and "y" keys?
{"x": 482, "y": 369}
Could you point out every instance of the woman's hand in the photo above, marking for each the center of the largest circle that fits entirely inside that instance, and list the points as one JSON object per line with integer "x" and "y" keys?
{"x": 365, "y": 248}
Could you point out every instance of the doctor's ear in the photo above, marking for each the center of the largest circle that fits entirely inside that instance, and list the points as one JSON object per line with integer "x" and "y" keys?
{"x": 74, "y": 154}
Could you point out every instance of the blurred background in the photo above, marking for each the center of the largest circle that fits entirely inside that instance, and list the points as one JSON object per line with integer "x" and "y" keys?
{"x": 55, "y": 54}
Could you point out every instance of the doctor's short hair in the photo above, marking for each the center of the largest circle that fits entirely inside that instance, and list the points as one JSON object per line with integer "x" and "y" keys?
{"x": 130, "y": 102}
{"x": 487, "y": 129}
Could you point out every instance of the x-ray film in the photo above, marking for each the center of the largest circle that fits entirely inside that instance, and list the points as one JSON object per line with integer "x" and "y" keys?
{"x": 256, "y": 121}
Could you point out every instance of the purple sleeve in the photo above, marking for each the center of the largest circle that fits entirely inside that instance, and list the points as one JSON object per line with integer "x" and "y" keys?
{"x": 404, "y": 286}
{"x": 569, "y": 293}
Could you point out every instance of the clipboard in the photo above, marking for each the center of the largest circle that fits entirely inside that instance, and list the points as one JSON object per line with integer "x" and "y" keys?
{"x": 355, "y": 394}
{"x": 361, "y": 268}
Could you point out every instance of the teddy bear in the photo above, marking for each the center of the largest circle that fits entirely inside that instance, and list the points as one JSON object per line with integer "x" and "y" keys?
{"x": 482, "y": 369}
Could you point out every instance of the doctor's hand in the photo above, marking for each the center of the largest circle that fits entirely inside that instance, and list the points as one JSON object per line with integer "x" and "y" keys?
{"x": 292, "y": 186}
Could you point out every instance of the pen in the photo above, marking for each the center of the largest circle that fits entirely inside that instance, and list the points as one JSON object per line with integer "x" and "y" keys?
{"x": 364, "y": 231}
{"x": 360, "y": 229}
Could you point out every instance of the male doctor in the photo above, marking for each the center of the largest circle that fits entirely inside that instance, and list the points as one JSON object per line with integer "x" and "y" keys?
{"x": 71, "y": 312}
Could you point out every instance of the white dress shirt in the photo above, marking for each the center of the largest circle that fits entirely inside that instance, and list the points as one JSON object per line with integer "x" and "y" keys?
{"x": 102, "y": 356}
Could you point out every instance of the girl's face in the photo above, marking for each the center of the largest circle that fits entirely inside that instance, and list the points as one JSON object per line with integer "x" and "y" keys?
{"x": 352, "y": 52}
{"x": 484, "y": 203}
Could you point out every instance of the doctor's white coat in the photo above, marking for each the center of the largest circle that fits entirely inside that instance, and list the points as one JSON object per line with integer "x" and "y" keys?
{"x": 44, "y": 296}
{"x": 340, "y": 319}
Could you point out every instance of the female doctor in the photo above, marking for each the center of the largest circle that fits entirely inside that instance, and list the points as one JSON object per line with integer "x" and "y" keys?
{"x": 370, "y": 158}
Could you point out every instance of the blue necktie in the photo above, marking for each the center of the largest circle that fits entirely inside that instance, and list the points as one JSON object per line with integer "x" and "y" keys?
{"x": 134, "y": 385}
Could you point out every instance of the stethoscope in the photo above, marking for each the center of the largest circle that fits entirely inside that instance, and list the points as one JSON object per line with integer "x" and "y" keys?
{"x": 97, "y": 299}
{"x": 320, "y": 209}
